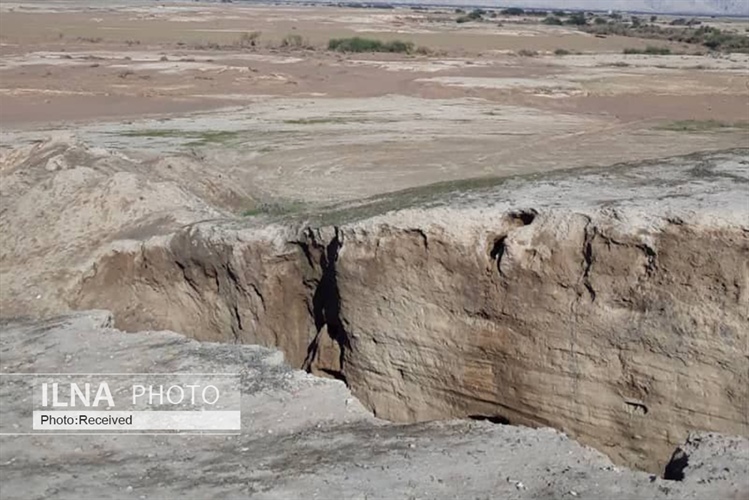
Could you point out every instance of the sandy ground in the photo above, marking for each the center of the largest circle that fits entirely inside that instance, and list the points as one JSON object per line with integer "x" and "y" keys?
{"x": 68, "y": 61}
{"x": 306, "y": 125}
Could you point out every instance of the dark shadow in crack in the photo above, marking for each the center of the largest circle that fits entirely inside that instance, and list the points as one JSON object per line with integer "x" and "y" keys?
{"x": 326, "y": 310}
{"x": 495, "y": 419}
{"x": 675, "y": 467}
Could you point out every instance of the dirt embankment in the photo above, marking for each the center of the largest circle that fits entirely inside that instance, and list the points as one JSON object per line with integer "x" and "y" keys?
{"x": 617, "y": 315}
{"x": 63, "y": 203}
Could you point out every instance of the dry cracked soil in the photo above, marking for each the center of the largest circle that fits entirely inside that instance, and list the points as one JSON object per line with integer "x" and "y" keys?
{"x": 511, "y": 264}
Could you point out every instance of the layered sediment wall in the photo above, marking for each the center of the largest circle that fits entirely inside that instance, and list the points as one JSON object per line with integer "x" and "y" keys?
{"x": 618, "y": 317}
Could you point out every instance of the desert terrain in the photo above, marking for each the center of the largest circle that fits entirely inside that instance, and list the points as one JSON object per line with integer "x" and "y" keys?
{"x": 491, "y": 218}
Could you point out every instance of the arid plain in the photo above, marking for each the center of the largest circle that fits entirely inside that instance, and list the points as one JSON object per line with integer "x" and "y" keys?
{"x": 510, "y": 220}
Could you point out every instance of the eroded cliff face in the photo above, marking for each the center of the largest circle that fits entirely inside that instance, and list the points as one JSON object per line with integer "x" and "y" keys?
{"x": 220, "y": 287}
{"x": 625, "y": 337}
{"x": 613, "y": 305}
{"x": 622, "y": 340}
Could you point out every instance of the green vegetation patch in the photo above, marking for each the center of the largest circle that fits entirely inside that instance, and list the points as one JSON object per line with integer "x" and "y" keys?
{"x": 336, "y": 120}
{"x": 651, "y": 50}
{"x": 702, "y": 126}
{"x": 276, "y": 208}
{"x": 513, "y": 11}
{"x": 315, "y": 121}
{"x": 442, "y": 193}
{"x": 198, "y": 138}
{"x": 359, "y": 44}
{"x": 706, "y": 36}
{"x": 474, "y": 15}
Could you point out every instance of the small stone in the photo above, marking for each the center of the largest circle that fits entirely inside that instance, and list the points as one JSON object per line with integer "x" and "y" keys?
{"x": 129, "y": 488}
{"x": 55, "y": 163}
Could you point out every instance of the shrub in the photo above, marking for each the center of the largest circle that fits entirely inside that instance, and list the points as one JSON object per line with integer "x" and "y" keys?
{"x": 562, "y": 52}
{"x": 398, "y": 46}
{"x": 293, "y": 41}
{"x": 553, "y": 21}
{"x": 660, "y": 51}
{"x": 527, "y": 53}
{"x": 476, "y": 14}
{"x": 710, "y": 37}
{"x": 248, "y": 39}
{"x": 513, "y": 11}
{"x": 578, "y": 19}
{"x": 355, "y": 44}
{"x": 702, "y": 125}
{"x": 358, "y": 44}
{"x": 651, "y": 50}
{"x": 600, "y": 20}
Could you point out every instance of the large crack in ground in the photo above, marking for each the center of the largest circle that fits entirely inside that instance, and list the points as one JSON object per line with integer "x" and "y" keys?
{"x": 390, "y": 313}
{"x": 611, "y": 305}
{"x": 326, "y": 310}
